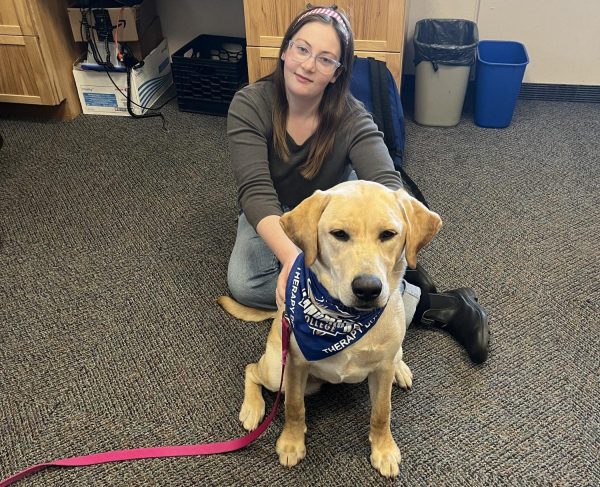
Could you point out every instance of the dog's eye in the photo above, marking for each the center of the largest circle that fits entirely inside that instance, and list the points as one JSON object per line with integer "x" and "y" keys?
{"x": 340, "y": 235}
{"x": 386, "y": 235}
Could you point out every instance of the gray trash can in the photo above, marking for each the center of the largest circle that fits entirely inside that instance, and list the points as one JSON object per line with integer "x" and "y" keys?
{"x": 445, "y": 50}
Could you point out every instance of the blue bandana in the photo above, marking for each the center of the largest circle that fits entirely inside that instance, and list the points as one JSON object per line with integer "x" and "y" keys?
{"x": 322, "y": 325}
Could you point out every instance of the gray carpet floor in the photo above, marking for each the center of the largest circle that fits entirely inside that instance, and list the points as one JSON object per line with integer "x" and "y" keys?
{"x": 114, "y": 241}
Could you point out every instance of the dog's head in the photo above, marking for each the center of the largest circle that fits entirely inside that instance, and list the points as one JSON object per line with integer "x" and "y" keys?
{"x": 358, "y": 237}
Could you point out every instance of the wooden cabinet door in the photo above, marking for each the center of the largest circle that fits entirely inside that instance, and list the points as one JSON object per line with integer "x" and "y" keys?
{"x": 267, "y": 20}
{"x": 378, "y": 25}
{"x": 261, "y": 61}
{"x": 15, "y": 19}
{"x": 24, "y": 78}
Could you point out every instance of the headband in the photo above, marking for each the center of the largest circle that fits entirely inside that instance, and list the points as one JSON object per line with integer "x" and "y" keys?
{"x": 329, "y": 12}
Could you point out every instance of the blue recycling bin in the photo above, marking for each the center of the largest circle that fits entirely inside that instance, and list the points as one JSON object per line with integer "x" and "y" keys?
{"x": 500, "y": 69}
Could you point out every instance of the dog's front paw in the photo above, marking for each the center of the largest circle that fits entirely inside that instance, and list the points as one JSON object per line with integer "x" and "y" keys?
{"x": 290, "y": 448}
{"x": 385, "y": 457}
{"x": 402, "y": 375}
{"x": 252, "y": 413}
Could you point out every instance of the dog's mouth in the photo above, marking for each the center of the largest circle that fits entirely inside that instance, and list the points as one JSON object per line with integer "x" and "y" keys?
{"x": 357, "y": 304}
{"x": 370, "y": 305}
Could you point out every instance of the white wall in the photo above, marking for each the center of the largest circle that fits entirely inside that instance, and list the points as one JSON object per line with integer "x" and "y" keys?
{"x": 184, "y": 20}
{"x": 562, "y": 37}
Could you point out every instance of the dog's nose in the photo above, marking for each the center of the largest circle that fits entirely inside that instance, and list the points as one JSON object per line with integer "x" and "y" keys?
{"x": 366, "y": 287}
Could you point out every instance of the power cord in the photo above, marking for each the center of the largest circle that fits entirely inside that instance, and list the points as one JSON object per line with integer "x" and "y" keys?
{"x": 130, "y": 62}
{"x": 134, "y": 103}
{"x": 91, "y": 42}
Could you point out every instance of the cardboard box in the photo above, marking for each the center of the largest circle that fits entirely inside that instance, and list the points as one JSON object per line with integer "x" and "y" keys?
{"x": 140, "y": 49}
{"x": 98, "y": 95}
{"x": 128, "y": 23}
{"x": 149, "y": 40}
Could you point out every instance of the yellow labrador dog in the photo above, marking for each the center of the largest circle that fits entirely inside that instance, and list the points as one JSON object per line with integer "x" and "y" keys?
{"x": 357, "y": 239}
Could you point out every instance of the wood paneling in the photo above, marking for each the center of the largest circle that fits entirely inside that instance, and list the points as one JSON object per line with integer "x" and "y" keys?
{"x": 378, "y": 27}
{"x": 261, "y": 61}
{"x": 15, "y": 18}
{"x": 37, "y": 52}
{"x": 21, "y": 76}
{"x": 267, "y": 19}
{"x": 60, "y": 52}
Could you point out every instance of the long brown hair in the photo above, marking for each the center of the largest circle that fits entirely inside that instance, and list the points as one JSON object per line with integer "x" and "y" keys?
{"x": 336, "y": 102}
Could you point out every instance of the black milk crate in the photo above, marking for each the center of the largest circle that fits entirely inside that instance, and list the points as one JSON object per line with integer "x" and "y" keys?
{"x": 207, "y": 75}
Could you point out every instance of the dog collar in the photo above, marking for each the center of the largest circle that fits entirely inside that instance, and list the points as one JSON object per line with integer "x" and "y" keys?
{"x": 322, "y": 325}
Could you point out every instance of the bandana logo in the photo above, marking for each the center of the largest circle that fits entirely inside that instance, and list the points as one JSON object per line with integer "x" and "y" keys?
{"x": 322, "y": 325}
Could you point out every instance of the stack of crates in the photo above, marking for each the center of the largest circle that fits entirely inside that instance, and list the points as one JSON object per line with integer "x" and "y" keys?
{"x": 207, "y": 73}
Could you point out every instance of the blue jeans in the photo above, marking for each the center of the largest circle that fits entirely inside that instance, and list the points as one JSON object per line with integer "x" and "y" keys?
{"x": 253, "y": 271}
{"x": 253, "y": 268}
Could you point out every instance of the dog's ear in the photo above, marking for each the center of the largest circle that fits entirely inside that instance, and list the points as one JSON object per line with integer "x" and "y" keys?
{"x": 302, "y": 222}
{"x": 421, "y": 225}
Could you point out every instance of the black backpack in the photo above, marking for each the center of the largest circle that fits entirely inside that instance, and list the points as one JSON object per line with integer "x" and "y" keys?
{"x": 373, "y": 84}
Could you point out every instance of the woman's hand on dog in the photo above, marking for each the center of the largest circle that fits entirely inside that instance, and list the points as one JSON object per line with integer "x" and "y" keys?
{"x": 270, "y": 230}
{"x": 286, "y": 266}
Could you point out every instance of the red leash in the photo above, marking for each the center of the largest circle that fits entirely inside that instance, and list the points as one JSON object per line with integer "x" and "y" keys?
{"x": 168, "y": 451}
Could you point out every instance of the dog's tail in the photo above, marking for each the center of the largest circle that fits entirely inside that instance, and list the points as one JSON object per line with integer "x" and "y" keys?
{"x": 242, "y": 312}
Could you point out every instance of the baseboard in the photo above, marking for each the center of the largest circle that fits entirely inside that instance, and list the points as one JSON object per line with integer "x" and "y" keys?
{"x": 529, "y": 91}
{"x": 576, "y": 93}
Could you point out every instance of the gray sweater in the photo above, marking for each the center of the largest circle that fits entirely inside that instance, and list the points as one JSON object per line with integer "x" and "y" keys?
{"x": 265, "y": 182}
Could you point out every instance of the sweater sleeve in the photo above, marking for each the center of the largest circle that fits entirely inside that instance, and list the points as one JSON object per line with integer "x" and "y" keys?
{"x": 369, "y": 154}
{"x": 248, "y": 128}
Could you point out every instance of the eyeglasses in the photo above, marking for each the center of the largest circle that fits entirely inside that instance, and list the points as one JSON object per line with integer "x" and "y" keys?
{"x": 301, "y": 53}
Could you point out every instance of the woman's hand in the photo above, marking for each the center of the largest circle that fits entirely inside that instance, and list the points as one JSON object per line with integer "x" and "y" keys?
{"x": 269, "y": 228}
{"x": 282, "y": 281}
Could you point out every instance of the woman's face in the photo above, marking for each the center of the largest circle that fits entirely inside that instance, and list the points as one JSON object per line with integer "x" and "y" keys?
{"x": 306, "y": 79}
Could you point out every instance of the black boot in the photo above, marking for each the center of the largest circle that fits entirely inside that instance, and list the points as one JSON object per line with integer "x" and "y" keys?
{"x": 419, "y": 277}
{"x": 458, "y": 312}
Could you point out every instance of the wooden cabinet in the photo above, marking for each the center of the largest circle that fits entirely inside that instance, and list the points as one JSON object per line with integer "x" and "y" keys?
{"x": 37, "y": 52}
{"x": 15, "y": 18}
{"x": 378, "y": 27}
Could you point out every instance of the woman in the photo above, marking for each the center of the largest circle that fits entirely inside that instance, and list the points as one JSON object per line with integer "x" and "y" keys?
{"x": 299, "y": 130}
